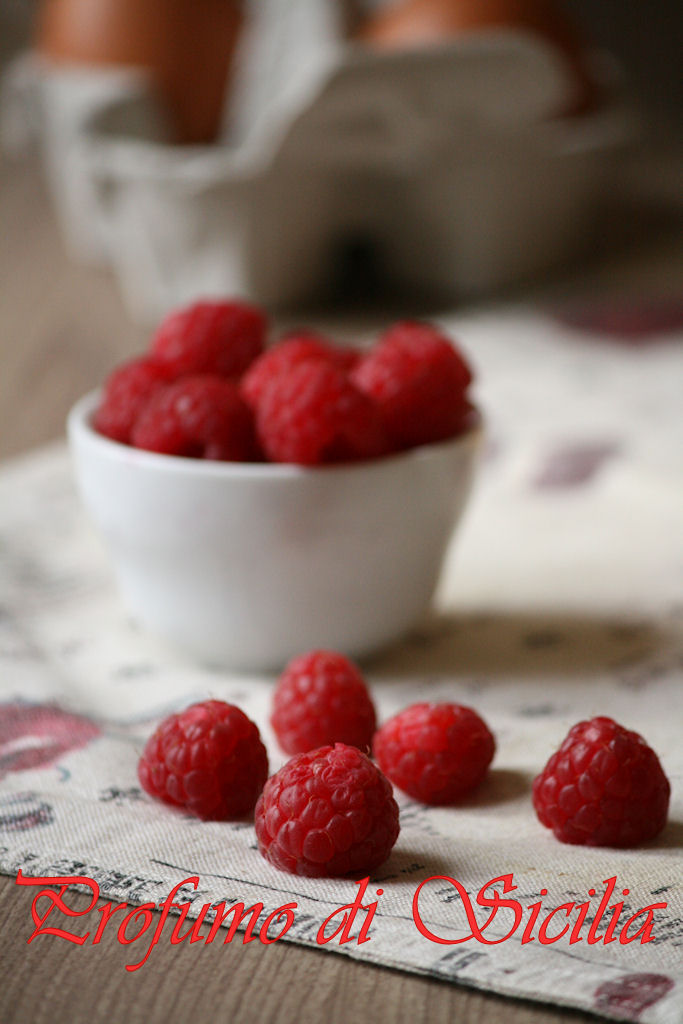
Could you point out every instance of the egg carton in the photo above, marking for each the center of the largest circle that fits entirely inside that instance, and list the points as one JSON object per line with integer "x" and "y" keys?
{"x": 449, "y": 164}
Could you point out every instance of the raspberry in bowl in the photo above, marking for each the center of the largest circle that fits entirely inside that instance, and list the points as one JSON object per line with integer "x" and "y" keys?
{"x": 244, "y": 562}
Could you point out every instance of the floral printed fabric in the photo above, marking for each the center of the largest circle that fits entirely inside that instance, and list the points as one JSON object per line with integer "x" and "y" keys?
{"x": 560, "y": 600}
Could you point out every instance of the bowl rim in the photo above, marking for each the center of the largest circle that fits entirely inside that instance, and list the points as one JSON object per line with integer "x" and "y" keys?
{"x": 79, "y": 428}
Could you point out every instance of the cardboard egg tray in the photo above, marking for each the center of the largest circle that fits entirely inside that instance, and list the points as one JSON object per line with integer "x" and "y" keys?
{"x": 448, "y": 165}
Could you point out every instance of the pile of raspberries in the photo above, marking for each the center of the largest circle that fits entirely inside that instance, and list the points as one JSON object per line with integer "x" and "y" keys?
{"x": 330, "y": 810}
{"x": 209, "y": 389}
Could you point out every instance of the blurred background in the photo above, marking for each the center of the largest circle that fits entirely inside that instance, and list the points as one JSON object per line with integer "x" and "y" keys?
{"x": 551, "y": 165}
{"x": 647, "y": 39}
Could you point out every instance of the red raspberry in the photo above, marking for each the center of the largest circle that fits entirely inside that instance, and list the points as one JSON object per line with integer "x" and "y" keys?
{"x": 210, "y": 337}
{"x": 327, "y": 813}
{"x": 321, "y": 698}
{"x": 603, "y": 787}
{"x": 208, "y": 759}
{"x": 419, "y": 381}
{"x": 312, "y": 414}
{"x": 291, "y": 350}
{"x": 197, "y": 417}
{"x": 126, "y": 391}
{"x": 436, "y": 753}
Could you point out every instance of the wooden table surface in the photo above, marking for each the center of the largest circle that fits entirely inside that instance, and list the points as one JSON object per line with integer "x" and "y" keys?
{"x": 62, "y": 326}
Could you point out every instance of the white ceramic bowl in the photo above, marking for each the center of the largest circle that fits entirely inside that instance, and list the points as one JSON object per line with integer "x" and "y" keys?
{"x": 246, "y": 565}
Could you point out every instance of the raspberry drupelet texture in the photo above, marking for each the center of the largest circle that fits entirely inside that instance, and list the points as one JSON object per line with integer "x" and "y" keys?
{"x": 313, "y": 415}
{"x": 436, "y": 753}
{"x": 291, "y": 350}
{"x": 327, "y": 813}
{"x": 418, "y": 380}
{"x": 321, "y": 699}
{"x": 197, "y": 417}
{"x": 125, "y": 394}
{"x": 208, "y": 759}
{"x": 221, "y": 338}
{"x": 603, "y": 787}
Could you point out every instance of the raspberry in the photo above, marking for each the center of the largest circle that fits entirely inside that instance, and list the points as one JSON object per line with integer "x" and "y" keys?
{"x": 327, "y": 813}
{"x": 320, "y": 699}
{"x": 312, "y": 414}
{"x": 208, "y": 759}
{"x": 603, "y": 787}
{"x": 197, "y": 417}
{"x": 126, "y": 391}
{"x": 291, "y": 350}
{"x": 436, "y": 753}
{"x": 210, "y": 337}
{"x": 419, "y": 382}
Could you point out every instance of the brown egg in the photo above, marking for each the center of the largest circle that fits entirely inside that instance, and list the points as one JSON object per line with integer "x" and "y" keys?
{"x": 187, "y": 46}
{"x": 418, "y": 23}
